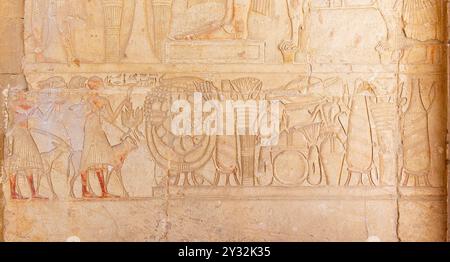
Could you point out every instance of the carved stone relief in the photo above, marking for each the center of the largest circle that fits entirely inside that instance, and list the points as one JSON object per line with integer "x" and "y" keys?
{"x": 362, "y": 126}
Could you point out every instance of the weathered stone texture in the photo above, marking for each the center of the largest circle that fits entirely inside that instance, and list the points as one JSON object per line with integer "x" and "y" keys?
{"x": 362, "y": 132}
{"x": 11, "y": 30}
{"x": 11, "y": 53}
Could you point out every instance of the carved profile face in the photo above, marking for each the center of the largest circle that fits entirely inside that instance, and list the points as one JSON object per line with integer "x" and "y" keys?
{"x": 95, "y": 83}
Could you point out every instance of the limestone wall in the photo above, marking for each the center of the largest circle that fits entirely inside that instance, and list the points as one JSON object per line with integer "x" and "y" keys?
{"x": 11, "y": 53}
{"x": 90, "y": 153}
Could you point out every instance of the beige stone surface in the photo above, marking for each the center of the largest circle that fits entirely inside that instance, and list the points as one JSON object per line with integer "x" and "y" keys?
{"x": 11, "y": 53}
{"x": 448, "y": 112}
{"x": 11, "y": 28}
{"x": 422, "y": 220}
{"x": 90, "y": 153}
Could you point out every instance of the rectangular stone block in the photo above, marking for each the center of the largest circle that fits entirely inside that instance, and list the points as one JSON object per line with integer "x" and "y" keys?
{"x": 423, "y": 220}
{"x": 11, "y": 45}
{"x": 231, "y": 52}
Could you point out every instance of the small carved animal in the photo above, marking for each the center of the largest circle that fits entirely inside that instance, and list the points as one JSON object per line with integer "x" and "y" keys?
{"x": 49, "y": 160}
{"x": 121, "y": 152}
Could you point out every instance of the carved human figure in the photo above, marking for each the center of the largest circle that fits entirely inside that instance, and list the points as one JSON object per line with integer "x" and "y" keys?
{"x": 53, "y": 23}
{"x": 409, "y": 22}
{"x": 298, "y": 11}
{"x": 391, "y": 13}
{"x": 23, "y": 156}
{"x": 98, "y": 153}
{"x": 233, "y": 24}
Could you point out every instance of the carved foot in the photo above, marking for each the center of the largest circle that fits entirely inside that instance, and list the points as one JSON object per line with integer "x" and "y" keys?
{"x": 108, "y": 195}
{"x": 16, "y": 196}
{"x": 88, "y": 195}
{"x": 39, "y": 197}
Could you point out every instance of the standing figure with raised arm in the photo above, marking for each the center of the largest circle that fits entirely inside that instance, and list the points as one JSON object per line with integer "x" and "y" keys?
{"x": 97, "y": 154}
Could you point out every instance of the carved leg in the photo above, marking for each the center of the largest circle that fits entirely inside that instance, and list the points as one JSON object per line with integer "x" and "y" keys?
{"x": 372, "y": 183}
{"x": 349, "y": 178}
{"x": 295, "y": 9}
{"x": 19, "y": 191}
{"x": 229, "y": 13}
{"x": 108, "y": 176}
{"x": 65, "y": 34}
{"x": 101, "y": 179}
{"x": 236, "y": 177}
{"x": 84, "y": 185}
{"x": 406, "y": 180}
{"x": 241, "y": 10}
{"x": 50, "y": 183}
{"x": 34, "y": 192}
{"x": 119, "y": 176}
{"x": 72, "y": 183}
{"x": 185, "y": 179}
{"x": 39, "y": 178}
{"x": 216, "y": 178}
{"x": 391, "y": 48}
{"x": 177, "y": 179}
{"x": 227, "y": 182}
{"x": 12, "y": 186}
{"x": 427, "y": 181}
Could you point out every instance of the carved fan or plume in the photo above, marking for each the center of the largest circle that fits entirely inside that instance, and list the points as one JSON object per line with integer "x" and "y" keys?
{"x": 132, "y": 119}
{"x": 207, "y": 88}
{"x": 312, "y": 133}
{"x": 247, "y": 88}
